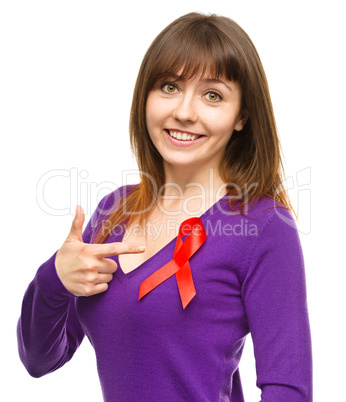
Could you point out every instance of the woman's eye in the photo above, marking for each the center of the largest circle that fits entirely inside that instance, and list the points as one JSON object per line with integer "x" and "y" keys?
{"x": 213, "y": 96}
{"x": 170, "y": 88}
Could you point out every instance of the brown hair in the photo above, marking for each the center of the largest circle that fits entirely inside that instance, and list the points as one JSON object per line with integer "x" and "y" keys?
{"x": 199, "y": 43}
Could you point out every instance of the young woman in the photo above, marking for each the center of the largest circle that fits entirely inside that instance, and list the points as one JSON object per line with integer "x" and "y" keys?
{"x": 222, "y": 254}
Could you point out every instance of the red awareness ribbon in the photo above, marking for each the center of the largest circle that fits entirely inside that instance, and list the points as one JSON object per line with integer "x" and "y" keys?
{"x": 179, "y": 265}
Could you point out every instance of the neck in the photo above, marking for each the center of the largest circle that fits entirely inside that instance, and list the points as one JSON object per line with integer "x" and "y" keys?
{"x": 197, "y": 188}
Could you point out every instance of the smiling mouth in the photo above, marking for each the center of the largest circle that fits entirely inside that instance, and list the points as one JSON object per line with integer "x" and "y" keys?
{"x": 182, "y": 136}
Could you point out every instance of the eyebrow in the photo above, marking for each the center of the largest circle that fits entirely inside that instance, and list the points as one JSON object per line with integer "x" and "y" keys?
{"x": 208, "y": 80}
{"x": 216, "y": 80}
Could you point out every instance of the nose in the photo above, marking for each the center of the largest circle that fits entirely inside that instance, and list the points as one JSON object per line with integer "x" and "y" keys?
{"x": 185, "y": 109}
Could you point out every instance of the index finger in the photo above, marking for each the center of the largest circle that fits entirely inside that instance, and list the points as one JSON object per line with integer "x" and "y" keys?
{"x": 115, "y": 248}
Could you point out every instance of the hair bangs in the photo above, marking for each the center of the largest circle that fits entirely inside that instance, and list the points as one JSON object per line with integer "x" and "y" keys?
{"x": 196, "y": 53}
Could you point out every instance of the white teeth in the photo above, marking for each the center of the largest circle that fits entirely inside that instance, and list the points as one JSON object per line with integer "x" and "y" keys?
{"x": 182, "y": 137}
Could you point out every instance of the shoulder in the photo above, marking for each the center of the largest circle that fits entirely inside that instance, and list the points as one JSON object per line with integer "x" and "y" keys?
{"x": 259, "y": 213}
{"x": 265, "y": 225}
{"x": 275, "y": 222}
{"x": 273, "y": 216}
{"x": 277, "y": 242}
{"x": 237, "y": 236}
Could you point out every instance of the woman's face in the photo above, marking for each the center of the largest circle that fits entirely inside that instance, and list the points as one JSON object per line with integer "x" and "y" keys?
{"x": 202, "y": 107}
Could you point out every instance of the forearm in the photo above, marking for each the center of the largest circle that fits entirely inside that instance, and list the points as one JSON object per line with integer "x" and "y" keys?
{"x": 48, "y": 329}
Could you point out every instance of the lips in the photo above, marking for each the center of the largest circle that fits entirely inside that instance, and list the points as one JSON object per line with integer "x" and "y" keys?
{"x": 174, "y": 130}
{"x": 187, "y": 143}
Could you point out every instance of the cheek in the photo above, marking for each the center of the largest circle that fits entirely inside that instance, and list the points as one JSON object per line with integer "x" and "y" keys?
{"x": 228, "y": 125}
{"x": 220, "y": 122}
{"x": 153, "y": 113}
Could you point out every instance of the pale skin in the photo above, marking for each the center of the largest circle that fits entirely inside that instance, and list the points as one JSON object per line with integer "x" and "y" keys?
{"x": 83, "y": 268}
{"x": 201, "y": 106}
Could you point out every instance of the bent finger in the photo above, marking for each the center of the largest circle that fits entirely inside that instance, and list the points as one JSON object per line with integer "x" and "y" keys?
{"x": 99, "y": 288}
{"x": 104, "y": 278}
{"x": 107, "y": 266}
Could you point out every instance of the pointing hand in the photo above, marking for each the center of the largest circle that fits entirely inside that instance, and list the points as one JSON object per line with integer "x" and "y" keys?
{"x": 82, "y": 267}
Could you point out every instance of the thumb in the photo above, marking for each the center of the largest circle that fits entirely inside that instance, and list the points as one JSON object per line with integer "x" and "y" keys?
{"x": 76, "y": 231}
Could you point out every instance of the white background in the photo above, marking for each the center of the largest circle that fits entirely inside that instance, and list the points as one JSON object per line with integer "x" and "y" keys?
{"x": 67, "y": 73}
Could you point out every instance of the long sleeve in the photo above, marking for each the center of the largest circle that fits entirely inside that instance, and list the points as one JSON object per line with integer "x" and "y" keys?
{"x": 48, "y": 330}
{"x": 274, "y": 295}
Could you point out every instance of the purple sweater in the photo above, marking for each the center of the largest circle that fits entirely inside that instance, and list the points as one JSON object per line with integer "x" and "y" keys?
{"x": 249, "y": 278}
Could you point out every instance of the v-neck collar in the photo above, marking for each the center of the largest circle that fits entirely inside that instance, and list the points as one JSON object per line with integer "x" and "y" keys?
{"x": 122, "y": 275}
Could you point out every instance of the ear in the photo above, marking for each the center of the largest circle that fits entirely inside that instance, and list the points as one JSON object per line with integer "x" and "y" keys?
{"x": 241, "y": 121}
